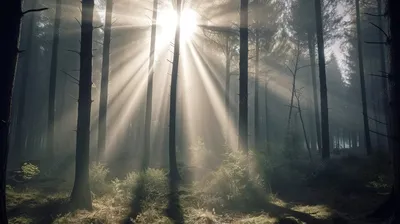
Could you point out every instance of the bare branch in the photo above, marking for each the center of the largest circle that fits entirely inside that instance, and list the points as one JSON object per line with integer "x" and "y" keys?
{"x": 379, "y": 28}
{"x": 33, "y": 10}
{"x": 78, "y": 21}
{"x": 74, "y": 51}
{"x": 66, "y": 73}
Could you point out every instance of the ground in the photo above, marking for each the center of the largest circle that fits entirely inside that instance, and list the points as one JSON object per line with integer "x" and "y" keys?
{"x": 341, "y": 192}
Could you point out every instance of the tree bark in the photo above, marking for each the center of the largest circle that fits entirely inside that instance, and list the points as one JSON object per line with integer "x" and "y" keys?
{"x": 266, "y": 114}
{"x": 52, "y": 84}
{"x": 10, "y": 19}
{"x": 227, "y": 85}
{"x": 173, "y": 166}
{"x": 147, "y": 127}
{"x": 311, "y": 50}
{"x": 322, "y": 80}
{"x": 243, "y": 82}
{"x": 256, "y": 81}
{"x": 105, "y": 72}
{"x": 81, "y": 196}
{"x": 362, "y": 80}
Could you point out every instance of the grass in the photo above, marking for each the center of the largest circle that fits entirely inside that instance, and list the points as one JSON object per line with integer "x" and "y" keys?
{"x": 339, "y": 192}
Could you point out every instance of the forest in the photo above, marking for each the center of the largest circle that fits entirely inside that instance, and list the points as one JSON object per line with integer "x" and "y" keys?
{"x": 200, "y": 111}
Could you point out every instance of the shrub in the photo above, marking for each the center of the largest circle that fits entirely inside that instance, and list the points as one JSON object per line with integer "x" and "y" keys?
{"x": 235, "y": 184}
{"x": 97, "y": 179}
{"x": 29, "y": 171}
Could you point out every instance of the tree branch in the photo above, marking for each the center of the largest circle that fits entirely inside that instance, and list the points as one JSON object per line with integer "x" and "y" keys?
{"x": 33, "y": 10}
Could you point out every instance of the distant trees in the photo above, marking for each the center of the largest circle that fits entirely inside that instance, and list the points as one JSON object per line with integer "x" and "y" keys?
{"x": 81, "y": 196}
{"x": 105, "y": 71}
{"x": 52, "y": 83}
{"x": 243, "y": 77}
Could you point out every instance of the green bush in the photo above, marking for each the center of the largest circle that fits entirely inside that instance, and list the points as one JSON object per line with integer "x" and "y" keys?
{"x": 97, "y": 179}
{"x": 155, "y": 186}
{"x": 235, "y": 184}
{"x": 29, "y": 171}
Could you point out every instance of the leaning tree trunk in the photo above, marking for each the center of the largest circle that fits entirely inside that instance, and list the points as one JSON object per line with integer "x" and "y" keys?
{"x": 243, "y": 82}
{"x": 105, "y": 72}
{"x": 10, "y": 20}
{"x": 256, "y": 81}
{"x": 322, "y": 79}
{"x": 311, "y": 50}
{"x": 173, "y": 166}
{"x": 147, "y": 127}
{"x": 52, "y": 84}
{"x": 81, "y": 196}
{"x": 362, "y": 80}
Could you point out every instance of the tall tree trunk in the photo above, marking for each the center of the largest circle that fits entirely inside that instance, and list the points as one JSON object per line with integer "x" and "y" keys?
{"x": 20, "y": 132}
{"x": 394, "y": 79}
{"x": 256, "y": 81}
{"x": 322, "y": 80}
{"x": 266, "y": 114}
{"x": 243, "y": 82}
{"x": 311, "y": 50}
{"x": 105, "y": 72}
{"x": 384, "y": 82}
{"x": 81, "y": 196}
{"x": 52, "y": 84}
{"x": 147, "y": 127}
{"x": 10, "y": 20}
{"x": 227, "y": 85}
{"x": 362, "y": 80}
{"x": 173, "y": 166}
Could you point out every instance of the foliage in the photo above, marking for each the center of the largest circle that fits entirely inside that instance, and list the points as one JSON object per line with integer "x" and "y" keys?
{"x": 154, "y": 181}
{"x": 97, "y": 179}
{"x": 29, "y": 171}
{"x": 235, "y": 183}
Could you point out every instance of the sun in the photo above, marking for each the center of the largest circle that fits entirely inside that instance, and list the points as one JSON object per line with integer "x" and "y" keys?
{"x": 188, "y": 24}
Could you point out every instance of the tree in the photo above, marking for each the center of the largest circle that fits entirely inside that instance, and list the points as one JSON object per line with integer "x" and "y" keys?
{"x": 52, "y": 82}
{"x": 243, "y": 79}
{"x": 105, "y": 71}
{"x": 10, "y": 20}
{"x": 173, "y": 166}
{"x": 362, "y": 80}
{"x": 322, "y": 79}
{"x": 81, "y": 196}
{"x": 147, "y": 128}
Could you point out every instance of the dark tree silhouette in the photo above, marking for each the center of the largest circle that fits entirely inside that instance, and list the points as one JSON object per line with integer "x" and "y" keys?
{"x": 52, "y": 83}
{"x": 322, "y": 79}
{"x": 10, "y": 18}
{"x": 81, "y": 196}
{"x": 105, "y": 71}
{"x": 243, "y": 77}
{"x": 362, "y": 80}
{"x": 173, "y": 166}
{"x": 149, "y": 103}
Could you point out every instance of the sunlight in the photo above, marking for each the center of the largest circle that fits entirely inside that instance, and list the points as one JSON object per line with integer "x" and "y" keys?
{"x": 167, "y": 21}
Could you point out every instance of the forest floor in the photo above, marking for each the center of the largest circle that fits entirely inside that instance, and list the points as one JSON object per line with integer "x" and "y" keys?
{"x": 342, "y": 193}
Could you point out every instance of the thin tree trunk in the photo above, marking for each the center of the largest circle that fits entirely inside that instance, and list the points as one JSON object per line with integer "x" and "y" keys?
{"x": 266, "y": 114}
{"x": 322, "y": 79}
{"x": 10, "y": 19}
{"x": 81, "y": 196}
{"x": 243, "y": 82}
{"x": 173, "y": 166}
{"x": 256, "y": 81}
{"x": 384, "y": 82}
{"x": 362, "y": 80}
{"x": 302, "y": 125}
{"x": 147, "y": 127}
{"x": 311, "y": 49}
{"x": 52, "y": 84}
{"x": 227, "y": 85}
{"x": 105, "y": 72}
